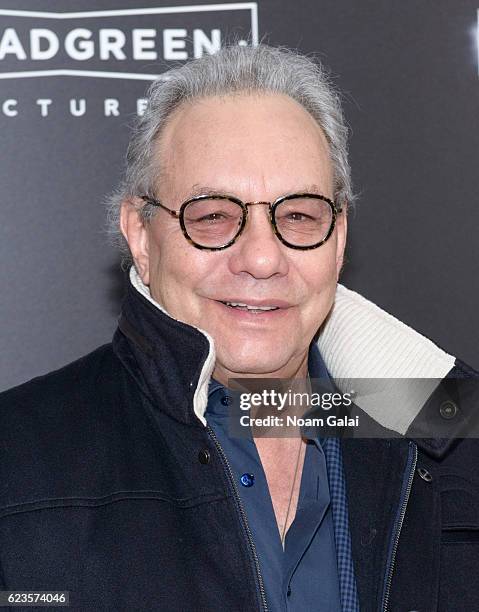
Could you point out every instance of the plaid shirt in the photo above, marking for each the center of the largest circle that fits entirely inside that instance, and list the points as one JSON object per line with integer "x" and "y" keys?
{"x": 339, "y": 505}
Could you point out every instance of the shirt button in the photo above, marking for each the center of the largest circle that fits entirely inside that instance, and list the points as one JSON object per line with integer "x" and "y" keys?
{"x": 204, "y": 456}
{"x": 448, "y": 410}
{"x": 226, "y": 400}
{"x": 247, "y": 480}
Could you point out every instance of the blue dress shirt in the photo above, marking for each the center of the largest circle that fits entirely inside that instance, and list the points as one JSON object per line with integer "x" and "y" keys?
{"x": 306, "y": 574}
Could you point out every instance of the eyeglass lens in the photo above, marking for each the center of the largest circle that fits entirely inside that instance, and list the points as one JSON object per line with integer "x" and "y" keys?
{"x": 300, "y": 221}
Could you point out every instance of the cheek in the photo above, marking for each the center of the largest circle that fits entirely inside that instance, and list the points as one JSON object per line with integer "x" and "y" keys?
{"x": 176, "y": 274}
{"x": 319, "y": 268}
{"x": 167, "y": 251}
{"x": 319, "y": 275}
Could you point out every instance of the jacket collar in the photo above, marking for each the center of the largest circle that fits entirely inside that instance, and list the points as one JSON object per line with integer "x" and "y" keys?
{"x": 358, "y": 342}
{"x": 171, "y": 361}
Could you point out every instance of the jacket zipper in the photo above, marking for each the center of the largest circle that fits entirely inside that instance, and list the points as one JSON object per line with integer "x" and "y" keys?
{"x": 243, "y": 516}
{"x": 412, "y": 460}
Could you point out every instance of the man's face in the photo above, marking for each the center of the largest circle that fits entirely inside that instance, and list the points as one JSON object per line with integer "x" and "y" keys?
{"x": 255, "y": 148}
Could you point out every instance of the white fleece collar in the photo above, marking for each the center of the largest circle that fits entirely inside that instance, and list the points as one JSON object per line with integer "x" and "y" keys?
{"x": 359, "y": 340}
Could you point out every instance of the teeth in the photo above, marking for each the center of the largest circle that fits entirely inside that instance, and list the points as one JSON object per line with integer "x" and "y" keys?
{"x": 247, "y": 307}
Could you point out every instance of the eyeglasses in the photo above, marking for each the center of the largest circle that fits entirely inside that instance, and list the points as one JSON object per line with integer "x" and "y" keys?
{"x": 301, "y": 221}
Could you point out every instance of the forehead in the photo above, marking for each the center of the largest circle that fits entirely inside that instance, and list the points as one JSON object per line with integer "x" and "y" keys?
{"x": 254, "y": 146}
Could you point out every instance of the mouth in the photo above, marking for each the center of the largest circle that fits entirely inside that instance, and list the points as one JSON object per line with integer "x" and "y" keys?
{"x": 258, "y": 313}
{"x": 250, "y": 308}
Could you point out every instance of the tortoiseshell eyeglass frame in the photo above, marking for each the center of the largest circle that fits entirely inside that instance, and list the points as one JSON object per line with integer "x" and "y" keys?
{"x": 179, "y": 214}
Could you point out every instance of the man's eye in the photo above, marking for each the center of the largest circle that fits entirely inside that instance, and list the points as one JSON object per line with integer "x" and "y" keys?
{"x": 298, "y": 216}
{"x": 212, "y": 218}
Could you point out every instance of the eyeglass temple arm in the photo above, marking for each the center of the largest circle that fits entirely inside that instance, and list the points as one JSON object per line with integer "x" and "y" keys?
{"x": 173, "y": 213}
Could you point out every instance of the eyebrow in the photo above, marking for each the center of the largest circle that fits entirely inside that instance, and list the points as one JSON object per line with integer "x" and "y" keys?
{"x": 198, "y": 190}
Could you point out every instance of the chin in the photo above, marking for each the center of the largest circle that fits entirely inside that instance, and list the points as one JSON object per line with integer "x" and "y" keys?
{"x": 259, "y": 361}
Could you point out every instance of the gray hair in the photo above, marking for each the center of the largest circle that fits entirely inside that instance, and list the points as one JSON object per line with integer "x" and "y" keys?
{"x": 233, "y": 69}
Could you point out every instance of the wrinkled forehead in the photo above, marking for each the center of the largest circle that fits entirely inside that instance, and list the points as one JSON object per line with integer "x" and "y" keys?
{"x": 251, "y": 146}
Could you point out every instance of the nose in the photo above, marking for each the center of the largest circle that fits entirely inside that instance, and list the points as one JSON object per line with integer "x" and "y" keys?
{"x": 258, "y": 251}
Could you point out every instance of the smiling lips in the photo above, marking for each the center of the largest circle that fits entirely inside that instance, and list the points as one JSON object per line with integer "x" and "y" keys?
{"x": 255, "y": 306}
{"x": 248, "y": 308}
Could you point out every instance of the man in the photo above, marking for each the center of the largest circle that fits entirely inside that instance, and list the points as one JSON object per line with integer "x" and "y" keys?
{"x": 120, "y": 481}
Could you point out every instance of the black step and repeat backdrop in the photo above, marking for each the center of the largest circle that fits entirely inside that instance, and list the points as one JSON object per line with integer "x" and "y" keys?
{"x": 73, "y": 76}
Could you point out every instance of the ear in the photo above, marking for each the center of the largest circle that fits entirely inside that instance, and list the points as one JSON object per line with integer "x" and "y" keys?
{"x": 136, "y": 234}
{"x": 342, "y": 232}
